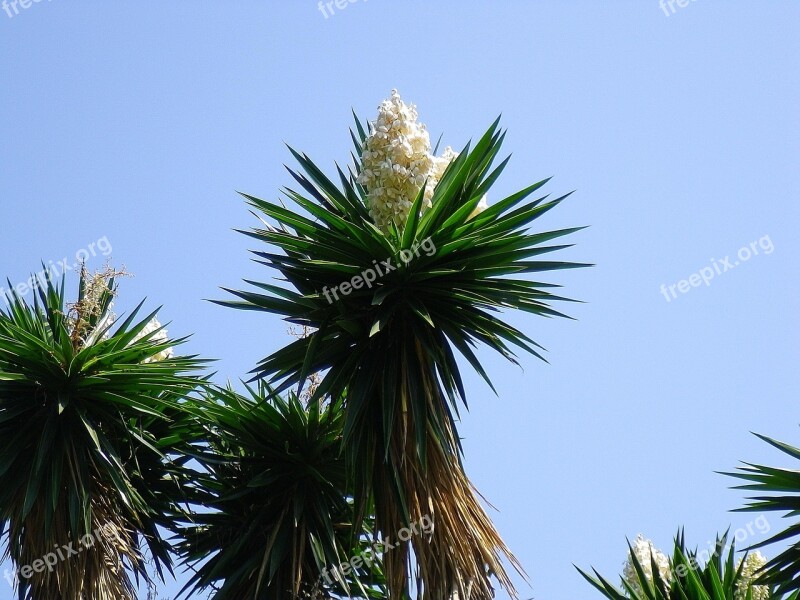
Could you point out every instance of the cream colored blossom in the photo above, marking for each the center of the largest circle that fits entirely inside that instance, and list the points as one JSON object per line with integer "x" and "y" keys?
{"x": 96, "y": 288}
{"x": 753, "y": 562}
{"x": 483, "y": 204}
{"x": 101, "y": 329}
{"x": 396, "y": 161}
{"x": 90, "y": 307}
{"x": 158, "y": 338}
{"x": 440, "y": 163}
{"x": 643, "y": 550}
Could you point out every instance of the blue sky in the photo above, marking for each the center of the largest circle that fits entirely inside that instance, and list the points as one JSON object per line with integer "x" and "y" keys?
{"x": 135, "y": 123}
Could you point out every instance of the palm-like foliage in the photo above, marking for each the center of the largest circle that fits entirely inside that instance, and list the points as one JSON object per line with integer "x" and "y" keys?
{"x": 391, "y": 346}
{"x": 779, "y": 490}
{"x": 719, "y": 578}
{"x": 276, "y": 513}
{"x": 88, "y": 418}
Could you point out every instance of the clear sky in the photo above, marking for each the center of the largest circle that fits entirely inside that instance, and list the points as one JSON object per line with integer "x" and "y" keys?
{"x": 131, "y": 125}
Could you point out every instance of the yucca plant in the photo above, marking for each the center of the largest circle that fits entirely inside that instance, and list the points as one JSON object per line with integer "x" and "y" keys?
{"x": 778, "y": 490}
{"x": 275, "y": 516}
{"x": 91, "y": 412}
{"x": 650, "y": 575}
{"x": 395, "y": 270}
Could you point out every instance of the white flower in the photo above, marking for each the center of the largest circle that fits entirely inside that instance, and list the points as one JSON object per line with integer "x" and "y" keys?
{"x": 440, "y": 164}
{"x": 90, "y": 308}
{"x": 101, "y": 329}
{"x": 396, "y": 161}
{"x": 483, "y": 204}
{"x": 752, "y": 563}
{"x": 158, "y": 338}
{"x": 643, "y": 550}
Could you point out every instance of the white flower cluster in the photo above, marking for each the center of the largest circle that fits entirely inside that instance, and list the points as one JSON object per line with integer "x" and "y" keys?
{"x": 397, "y": 161}
{"x": 483, "y": 204}
{"x": 752, "y": 563}
{"x": 440, "y": 164}
{"x": 158, "y": 338}
{"x": 643, "y": 550}
{"x": 96, "y": 288}
{"x": 89, "y": 308}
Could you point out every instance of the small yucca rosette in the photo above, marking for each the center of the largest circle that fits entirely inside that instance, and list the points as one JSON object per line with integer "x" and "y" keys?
{"x": 713, "y": 573}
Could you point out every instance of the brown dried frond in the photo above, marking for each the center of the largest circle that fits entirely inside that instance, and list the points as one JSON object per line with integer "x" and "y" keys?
{"x": 464, "y": 551}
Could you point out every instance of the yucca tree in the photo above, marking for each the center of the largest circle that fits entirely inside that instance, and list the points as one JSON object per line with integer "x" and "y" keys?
{"x": 778, "y": 490}
{"x": 274, "y": 516}
{"x": 650, "y": 575}
{"x": 421, "y": 285}
{"x": 91, "y": 412}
